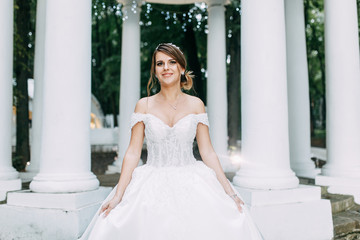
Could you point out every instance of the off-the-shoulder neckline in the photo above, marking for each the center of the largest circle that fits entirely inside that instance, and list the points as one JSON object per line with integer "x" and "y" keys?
{"x": 187, "y": 115}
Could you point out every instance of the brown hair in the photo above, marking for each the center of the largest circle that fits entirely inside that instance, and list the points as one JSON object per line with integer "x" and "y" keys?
{"x": 173, "y": 51}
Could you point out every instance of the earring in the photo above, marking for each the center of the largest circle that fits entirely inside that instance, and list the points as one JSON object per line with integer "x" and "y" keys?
{"x": 183, "y": 78}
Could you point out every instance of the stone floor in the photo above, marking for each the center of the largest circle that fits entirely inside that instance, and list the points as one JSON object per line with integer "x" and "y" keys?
{"x": 346, "y": 213}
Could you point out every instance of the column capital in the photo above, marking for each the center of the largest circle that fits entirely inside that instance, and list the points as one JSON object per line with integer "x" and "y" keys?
{"x": 219, "y": 3}
{"x": 134, "y": 3}
{"x": 131, "y": 8}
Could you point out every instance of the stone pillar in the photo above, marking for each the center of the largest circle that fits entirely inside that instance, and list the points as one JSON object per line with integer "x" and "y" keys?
{"x": 64, "y": 190}
{"x": 265, "y": 135}
{"x": 9, "y": 177}
{"x": 34, "y": 166}
{"x": 265, "y": 179}
{"x": 65, "y": 143}
{"x": 298, "y": 90}
{"x": 342, "y": 170}
{"x": 216, "y": 82}
{"x": 130, "y": 76}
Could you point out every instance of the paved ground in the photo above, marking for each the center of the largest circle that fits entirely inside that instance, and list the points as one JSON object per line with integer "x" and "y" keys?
{"x": 100, "y": 161}
{"x": 346, "y": 214}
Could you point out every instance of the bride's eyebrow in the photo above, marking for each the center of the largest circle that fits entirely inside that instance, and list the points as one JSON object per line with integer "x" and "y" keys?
{"x": 160, "y": 61}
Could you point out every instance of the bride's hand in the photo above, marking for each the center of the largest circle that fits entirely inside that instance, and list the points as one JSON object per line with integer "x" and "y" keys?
{"x": 110, "y": 205}
{"x": 239, "y": 203}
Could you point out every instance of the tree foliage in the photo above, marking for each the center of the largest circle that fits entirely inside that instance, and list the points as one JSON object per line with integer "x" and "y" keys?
{"x": 24, "y": 15}
{"x": 183, "y": 25}
{"x": 186, "y": 26}
{"x": 106, "y": 60}
{"x": 314, "y": 19}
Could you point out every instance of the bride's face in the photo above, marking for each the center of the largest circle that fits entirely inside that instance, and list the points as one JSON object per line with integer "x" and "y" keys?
{"x": 167, "y": 70}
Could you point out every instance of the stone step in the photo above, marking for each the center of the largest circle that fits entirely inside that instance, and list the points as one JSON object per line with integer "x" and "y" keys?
{"x": 350, "y": 236}
{"x": 340, "y": 203}
{"x": 108, "y": 180}
{"x": 347, "y": 224}
{"x": 346, "y": 215}
{"x": 324, "y": 190}
{"x": 306, "y": 181}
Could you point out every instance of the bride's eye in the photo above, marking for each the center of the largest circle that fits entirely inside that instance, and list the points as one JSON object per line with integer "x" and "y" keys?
{"x": 159, "y": 64}
{"x": 172, "y": 62}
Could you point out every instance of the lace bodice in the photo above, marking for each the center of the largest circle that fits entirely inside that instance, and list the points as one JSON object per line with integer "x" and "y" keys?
{"x": 170, "y": 146}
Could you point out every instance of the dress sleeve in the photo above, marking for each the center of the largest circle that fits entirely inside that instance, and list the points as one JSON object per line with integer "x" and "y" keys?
{"x": 203, "y": 118}
{"x": 135, "y": 118}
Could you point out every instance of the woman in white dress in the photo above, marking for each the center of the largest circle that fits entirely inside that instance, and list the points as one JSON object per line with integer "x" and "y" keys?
{"x": 173, "y": 196}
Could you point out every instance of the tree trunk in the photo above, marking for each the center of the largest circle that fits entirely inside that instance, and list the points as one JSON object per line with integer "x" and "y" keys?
{"x": 193, "y": 61}
{"x": 114, "y": 108}
{"x": 323, "y": 83}
{"x": 233, "y": 88}
{"x": 22, "y": 74}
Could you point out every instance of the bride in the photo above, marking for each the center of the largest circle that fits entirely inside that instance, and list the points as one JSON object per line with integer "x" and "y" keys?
{"x": 173, "y": 196}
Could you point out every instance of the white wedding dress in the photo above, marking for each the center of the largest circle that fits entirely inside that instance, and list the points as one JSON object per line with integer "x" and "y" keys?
{"x": 173, "y": 196}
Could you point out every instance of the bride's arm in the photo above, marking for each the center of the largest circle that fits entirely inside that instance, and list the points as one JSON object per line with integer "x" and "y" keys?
{"x": 130, "y": 162}
{"x": 131, "y": 158}
{"x": 210, "y": 158}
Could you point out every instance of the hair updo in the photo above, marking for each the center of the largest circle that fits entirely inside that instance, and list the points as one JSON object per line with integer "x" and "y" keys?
{"x": 173, "y": 51}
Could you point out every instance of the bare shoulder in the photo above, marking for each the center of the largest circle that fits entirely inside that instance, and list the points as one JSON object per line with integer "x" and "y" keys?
{"x": 196, "y": 104}
{"x": 141, "y": 105}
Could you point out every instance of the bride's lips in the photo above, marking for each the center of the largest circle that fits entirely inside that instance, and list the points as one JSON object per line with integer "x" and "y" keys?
{"x": 167, "y": 74}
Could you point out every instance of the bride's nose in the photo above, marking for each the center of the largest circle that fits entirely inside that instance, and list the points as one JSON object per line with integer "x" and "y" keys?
{"x": 166, "y": 66}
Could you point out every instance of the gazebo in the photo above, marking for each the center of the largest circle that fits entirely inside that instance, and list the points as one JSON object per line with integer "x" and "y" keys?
{"x": 64, "y": 194}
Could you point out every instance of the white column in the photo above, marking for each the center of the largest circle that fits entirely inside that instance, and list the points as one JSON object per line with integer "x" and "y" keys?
{"x": 265, "y": 136}
{"x": 130, "y": 76}
{"x": 298, "y": 90}
{"x": 265, "y": 179}
{"x": 342, "y": 170}
{"x": 65, "y": 143}
{"x": 9, "y": 177}
{"x": 34, "y": 166}
{"x": 216, "y": 82}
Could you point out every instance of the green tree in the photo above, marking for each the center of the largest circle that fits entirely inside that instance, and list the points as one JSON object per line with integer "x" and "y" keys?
{"x": 24, "y": 26}
{"x": 314, "y": 20}
{"x": 106, "y": 52}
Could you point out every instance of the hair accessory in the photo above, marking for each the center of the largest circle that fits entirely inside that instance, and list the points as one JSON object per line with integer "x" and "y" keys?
{"x": 169, "y": 44}
{"x": 183, "y": 78}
